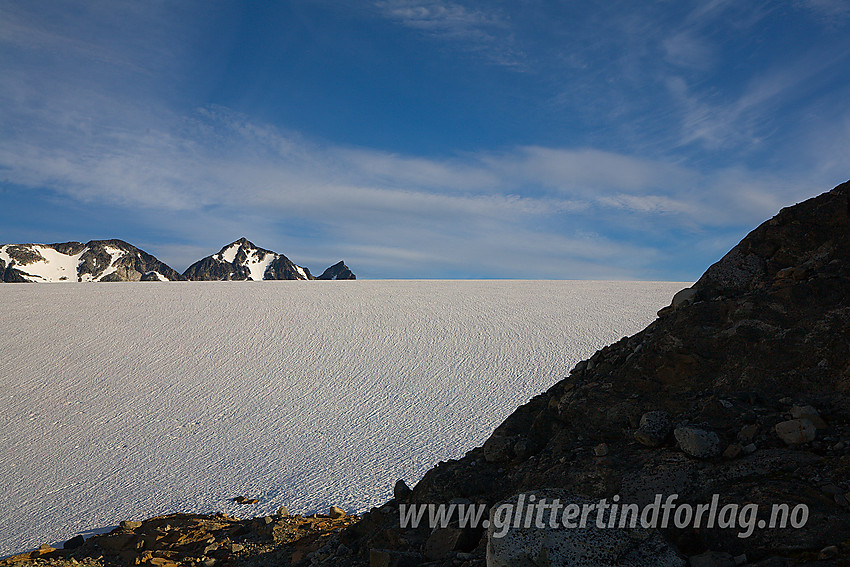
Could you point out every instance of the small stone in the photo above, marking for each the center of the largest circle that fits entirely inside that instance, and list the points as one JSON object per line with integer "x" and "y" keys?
{"x": 401, "y": 490}
{"x": 748, "y": 433}
{"x": 841, "y": 500}
{"x": 243, "y": 500}
{"x": 740, "y": 559}
{"x": 796, "y": 431}
{"x": 698, "y": 442}
{"x": 786, "y": 401}
{"x": 654, "y": 428}
{"x": 74, "y": 542}
{"x": 732, "y": 451}
{"x": 283, "y": 511}
{"x": 601, "y": 450}
{"x": 828, "y": 553}
{"x": 45, "y": 547}
{"x": 810, "y": 413}
{"x": 130, "y": 525}
{"x": 208, "y": 562}
{"x": 336, "y": 513}
{"x": 236, "y": 547}
{"x": 267, "y": 520}
{"x": 749, "y": 449}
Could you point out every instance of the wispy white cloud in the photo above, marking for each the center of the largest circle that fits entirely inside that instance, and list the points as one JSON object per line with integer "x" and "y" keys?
{"x": 482, "y": 30}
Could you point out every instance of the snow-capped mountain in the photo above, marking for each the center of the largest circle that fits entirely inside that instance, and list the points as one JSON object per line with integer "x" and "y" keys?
{"x": 338, "y": 271}
{"x": 242, "y": 260}
{"x": 118, "y": 261}
{"x": 94, "y": 261}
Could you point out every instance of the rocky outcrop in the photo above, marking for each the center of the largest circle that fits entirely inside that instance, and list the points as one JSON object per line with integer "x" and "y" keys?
{"x": 201, "y": 541}
{"x": 242, "y": 260}
{"x": 338, "y": 271}
{"x": 96, "y": 260}
{"x": 716, "y": 397}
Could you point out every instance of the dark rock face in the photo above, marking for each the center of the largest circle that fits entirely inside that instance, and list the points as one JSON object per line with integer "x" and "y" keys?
{"x": 764, "y": 331}
{"x": 338, "y": 271}
{"x": 242, "y": 260}
{"x": 99, "y": 260}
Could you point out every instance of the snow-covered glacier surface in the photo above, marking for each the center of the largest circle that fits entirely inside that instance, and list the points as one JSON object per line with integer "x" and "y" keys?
{"x": 128, "y": 400}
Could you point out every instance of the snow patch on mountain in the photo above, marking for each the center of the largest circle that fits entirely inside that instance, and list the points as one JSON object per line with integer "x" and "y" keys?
{"x": 51, "y": 265}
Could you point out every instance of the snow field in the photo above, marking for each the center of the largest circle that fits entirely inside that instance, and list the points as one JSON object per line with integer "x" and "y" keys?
{"x": 127, "y": 400}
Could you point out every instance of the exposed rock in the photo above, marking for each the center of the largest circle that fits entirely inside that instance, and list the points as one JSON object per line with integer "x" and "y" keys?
{"x": 796, "y": 431}
{"x": 338, "y": 271}
{"x": 590, "y": 546}
{"x": 401, "y": 490}
{"x": 337, "y": 512}
{"x": 655, "y": 427}
{"x": 745, "y": 344}
{"x": 74, "y": 542}
{"x": 97, "y": 260}
{"x": 810, "y": 413}
{"x": 698, "y": 442}
{"x": 242, "y": 260}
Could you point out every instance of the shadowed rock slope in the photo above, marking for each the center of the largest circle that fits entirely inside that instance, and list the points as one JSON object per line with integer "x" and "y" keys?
{"x": 749, "y": 371}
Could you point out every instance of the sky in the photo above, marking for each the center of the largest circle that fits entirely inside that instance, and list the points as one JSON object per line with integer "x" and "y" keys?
{"x": 422, "y": 138}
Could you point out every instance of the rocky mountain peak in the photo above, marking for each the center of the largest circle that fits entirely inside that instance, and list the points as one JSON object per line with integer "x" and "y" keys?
{"x": 338, "y": 271}
{"x": 97, "y": 260}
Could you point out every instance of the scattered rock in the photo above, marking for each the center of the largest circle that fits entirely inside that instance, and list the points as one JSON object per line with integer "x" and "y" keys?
{"x": 654, "y": 428}
{"x": 732, "y": 451}
{"x": 601, "y": 450}
{"x": 828, "y": 553}
{"x": 444, "y": 541}
{"x": 130, "y": 525}
{"x": 336, "y": 512}
{"x": 283, "y": 511}
{"x": 810, "y": 413}
{"x": 243, "y": 500}
{"x": 698, "y": 442}
{"x": 570, "y": 546}
{"x": 74, "y": 542}
{"x": 401, "y": 490}
{"x": 796, "y": 431}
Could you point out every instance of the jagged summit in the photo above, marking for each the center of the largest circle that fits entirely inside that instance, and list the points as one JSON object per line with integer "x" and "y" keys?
{"x": 116, "y": 260}
{"x": 338, "y": 271}
{"x": 94, "y": 261}
{"x": 243, "y": 260}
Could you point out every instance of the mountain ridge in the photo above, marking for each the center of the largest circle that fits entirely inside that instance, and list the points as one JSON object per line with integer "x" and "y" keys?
{"x": 117, "y": 260}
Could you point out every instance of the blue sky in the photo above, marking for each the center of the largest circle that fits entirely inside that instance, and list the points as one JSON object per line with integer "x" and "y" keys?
{"x": 422, "y": 139}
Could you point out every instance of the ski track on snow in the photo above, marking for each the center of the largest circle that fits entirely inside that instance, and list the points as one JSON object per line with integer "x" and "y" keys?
{"x": 128, "y": 400}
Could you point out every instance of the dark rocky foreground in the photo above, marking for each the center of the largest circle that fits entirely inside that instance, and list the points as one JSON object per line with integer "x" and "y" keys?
{"x": 741, "y": 389}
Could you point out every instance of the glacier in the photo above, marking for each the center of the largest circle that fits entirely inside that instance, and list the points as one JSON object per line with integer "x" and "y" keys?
{"x": 129, "y": 400}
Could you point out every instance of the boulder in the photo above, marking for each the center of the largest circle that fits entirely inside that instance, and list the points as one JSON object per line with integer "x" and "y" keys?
{"x": 698, "y": 442}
